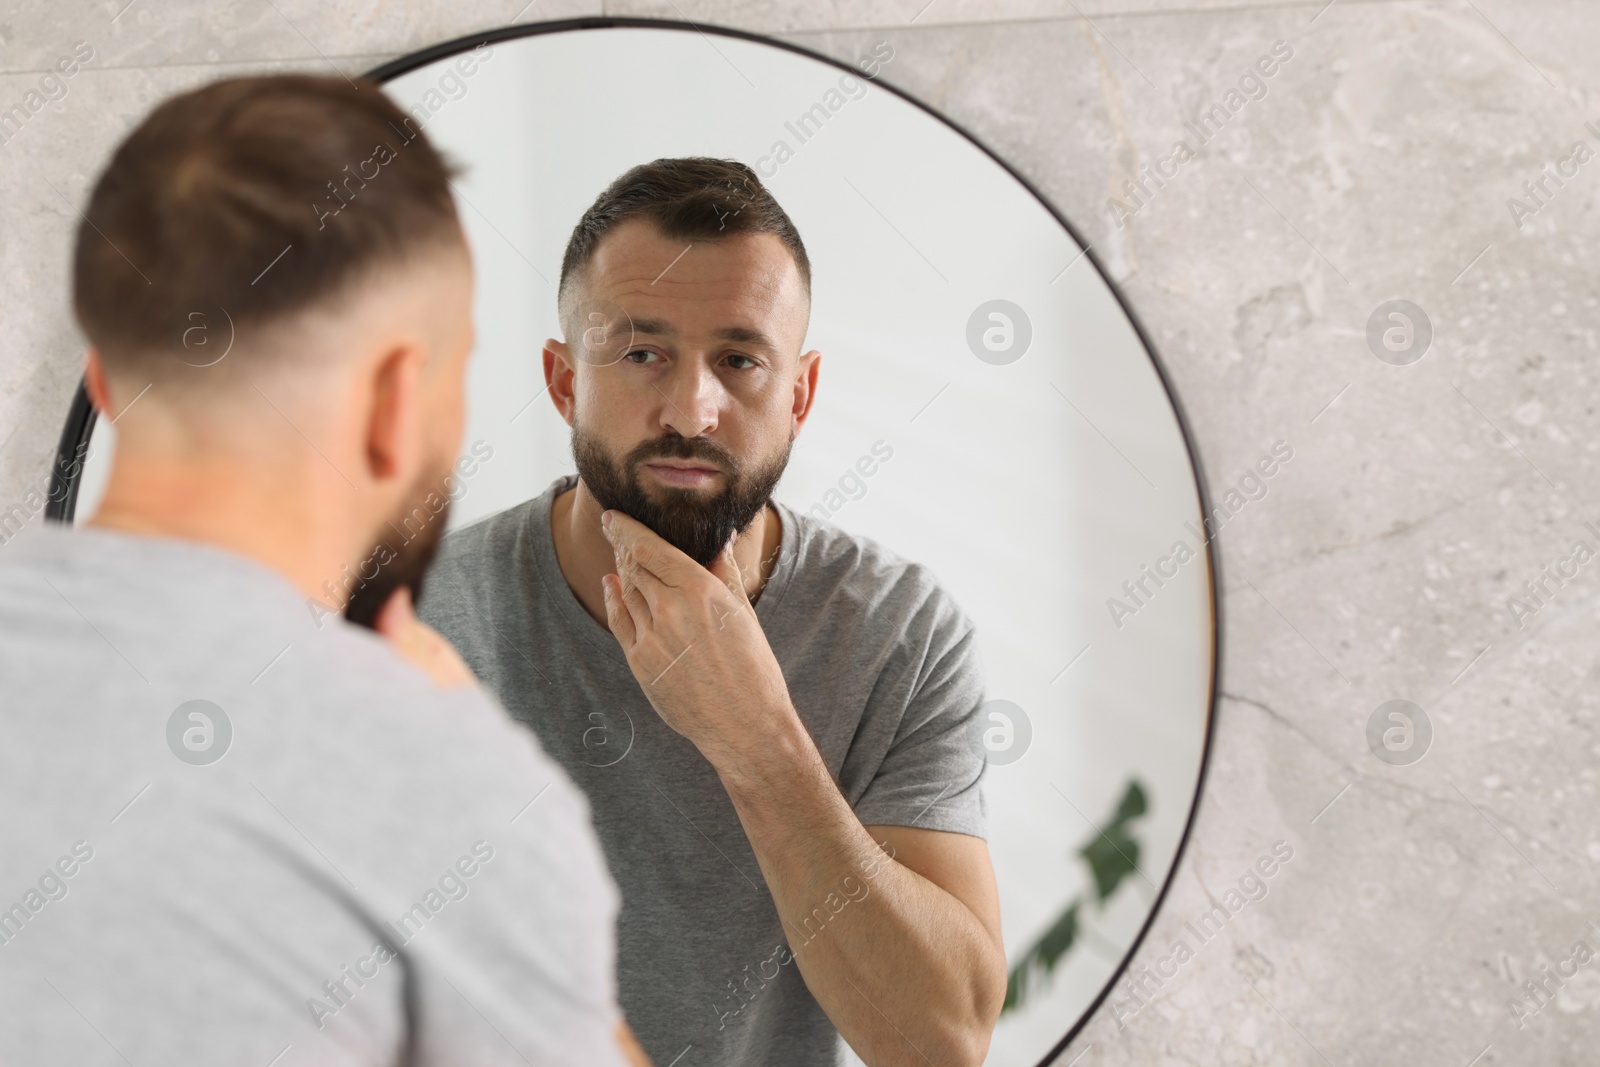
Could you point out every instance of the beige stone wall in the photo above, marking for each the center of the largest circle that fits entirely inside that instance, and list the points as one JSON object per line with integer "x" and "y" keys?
{"x": 1378, "y": 165}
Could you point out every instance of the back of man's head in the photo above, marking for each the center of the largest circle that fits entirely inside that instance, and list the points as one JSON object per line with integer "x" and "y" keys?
{"x": 277, "y": 295}
{"x": 236, "y": 206}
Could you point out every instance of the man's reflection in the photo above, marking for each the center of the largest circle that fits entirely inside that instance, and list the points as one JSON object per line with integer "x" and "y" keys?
{"x": 775, "y": 737}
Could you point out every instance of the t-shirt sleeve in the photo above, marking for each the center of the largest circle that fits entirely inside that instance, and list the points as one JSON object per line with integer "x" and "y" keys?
{"x": 931, "y": 776}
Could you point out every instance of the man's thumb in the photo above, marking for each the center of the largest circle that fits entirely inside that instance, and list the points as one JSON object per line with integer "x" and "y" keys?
{"x": 395, "y": 614}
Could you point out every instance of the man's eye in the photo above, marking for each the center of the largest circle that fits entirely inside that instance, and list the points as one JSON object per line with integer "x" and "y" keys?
{"x": 748, "y": 362}
{"x": 639, "y": 352}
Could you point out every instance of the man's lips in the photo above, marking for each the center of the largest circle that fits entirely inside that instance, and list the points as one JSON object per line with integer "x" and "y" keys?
{"x": 683, "y": 473}
{"x": 685, "y": 467}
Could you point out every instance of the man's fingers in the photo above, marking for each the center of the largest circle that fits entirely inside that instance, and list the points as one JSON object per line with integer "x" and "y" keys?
{"x": 648, "y": 550}
{"x": 395, "y": 614}
{"x": 618, "y": 616}
{"x": 630, "y": 1046}
{"x": 418, "y": 643}
{"x": 639, "y": 607}
{"x": 634, "y": 575}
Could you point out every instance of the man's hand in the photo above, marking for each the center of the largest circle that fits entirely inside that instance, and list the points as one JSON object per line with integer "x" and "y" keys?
{"x": 419, "y": 643}
{"x": 692, "y": 639}
{"x": 630, "y": 1046}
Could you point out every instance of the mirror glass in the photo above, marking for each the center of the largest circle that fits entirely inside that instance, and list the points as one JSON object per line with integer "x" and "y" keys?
{"x": 985, "y": 406}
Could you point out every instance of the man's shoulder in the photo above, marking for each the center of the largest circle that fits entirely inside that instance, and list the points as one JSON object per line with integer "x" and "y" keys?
{"x": 354, "y": 704}
{"x": 490, "y": 536}
{"x": 901, "y": 593}
{"x": 473, "y": 561}
{"x": 349, "y": 677}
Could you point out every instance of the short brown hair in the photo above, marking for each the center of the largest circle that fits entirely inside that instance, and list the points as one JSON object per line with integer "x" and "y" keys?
{"x": 689, "y": 198}
{"x": 263, "y": 196}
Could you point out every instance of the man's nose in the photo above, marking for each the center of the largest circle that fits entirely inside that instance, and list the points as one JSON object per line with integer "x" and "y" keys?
{"x": 691, "y": 396}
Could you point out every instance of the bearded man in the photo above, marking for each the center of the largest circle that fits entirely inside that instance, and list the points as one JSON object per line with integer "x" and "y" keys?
{"x": 773, "y": 719}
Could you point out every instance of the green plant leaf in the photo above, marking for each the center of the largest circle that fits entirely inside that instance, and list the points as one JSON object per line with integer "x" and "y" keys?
{"x": 1059, "y": 938}
{"x": 1112, "y": 856}
{"x": 1042, "y": 957}
{"x": 1133, "y": 803}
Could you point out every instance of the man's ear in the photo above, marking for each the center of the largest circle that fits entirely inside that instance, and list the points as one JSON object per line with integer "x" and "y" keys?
{"x": 94, "y": 382}
{"x": 558, "y": 375}
{"x": 394, "y": 414}
{"x": 805, "y": 388}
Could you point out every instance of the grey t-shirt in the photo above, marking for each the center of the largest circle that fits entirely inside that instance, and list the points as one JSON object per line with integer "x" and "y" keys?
{"x": 329, "y": 861}
{"x": 882, "y": 667}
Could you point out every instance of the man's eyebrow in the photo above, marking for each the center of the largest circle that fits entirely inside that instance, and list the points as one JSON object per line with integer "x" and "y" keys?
{"x": 743, "y": 335}
{"x": 654, "y": 327}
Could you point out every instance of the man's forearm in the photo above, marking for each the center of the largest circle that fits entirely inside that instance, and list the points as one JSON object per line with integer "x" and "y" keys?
{"x": 903, "y": 969}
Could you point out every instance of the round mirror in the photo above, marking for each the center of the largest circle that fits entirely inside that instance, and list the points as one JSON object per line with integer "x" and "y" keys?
{"x": 986, "y": 406}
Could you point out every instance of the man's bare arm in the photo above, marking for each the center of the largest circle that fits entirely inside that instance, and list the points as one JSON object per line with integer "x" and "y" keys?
{"x": 899, "y": 944}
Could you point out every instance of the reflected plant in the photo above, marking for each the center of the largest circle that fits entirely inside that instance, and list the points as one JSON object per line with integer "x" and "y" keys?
{"x": 1112, "y": 854}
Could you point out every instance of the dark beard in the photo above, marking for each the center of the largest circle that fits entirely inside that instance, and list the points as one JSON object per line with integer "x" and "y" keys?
{"x": 407, "y": 560}
{"x": 694, "y": 524}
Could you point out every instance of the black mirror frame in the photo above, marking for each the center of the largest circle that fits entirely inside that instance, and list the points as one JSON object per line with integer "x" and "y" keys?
{"x": 75, "y": 433}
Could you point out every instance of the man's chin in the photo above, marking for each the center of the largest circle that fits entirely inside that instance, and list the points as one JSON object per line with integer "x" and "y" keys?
{"x": 680, "y": 501}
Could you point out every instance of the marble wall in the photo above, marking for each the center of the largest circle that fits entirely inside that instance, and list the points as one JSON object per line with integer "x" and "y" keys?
{"x": 1385, "y": 159}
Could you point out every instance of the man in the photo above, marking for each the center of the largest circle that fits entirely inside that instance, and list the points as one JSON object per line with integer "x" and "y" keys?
{"x": 776, "y": 734}
{"x": 239, "y": 828}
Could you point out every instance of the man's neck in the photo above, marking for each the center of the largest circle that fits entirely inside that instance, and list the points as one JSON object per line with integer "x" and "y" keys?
{"x": 276, "y": 525}
{"x": 585, "y": 556}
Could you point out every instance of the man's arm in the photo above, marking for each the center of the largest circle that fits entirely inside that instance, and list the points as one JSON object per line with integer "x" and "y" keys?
{"x": 901, "y": 950}
{"x": 903, "y": 954}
